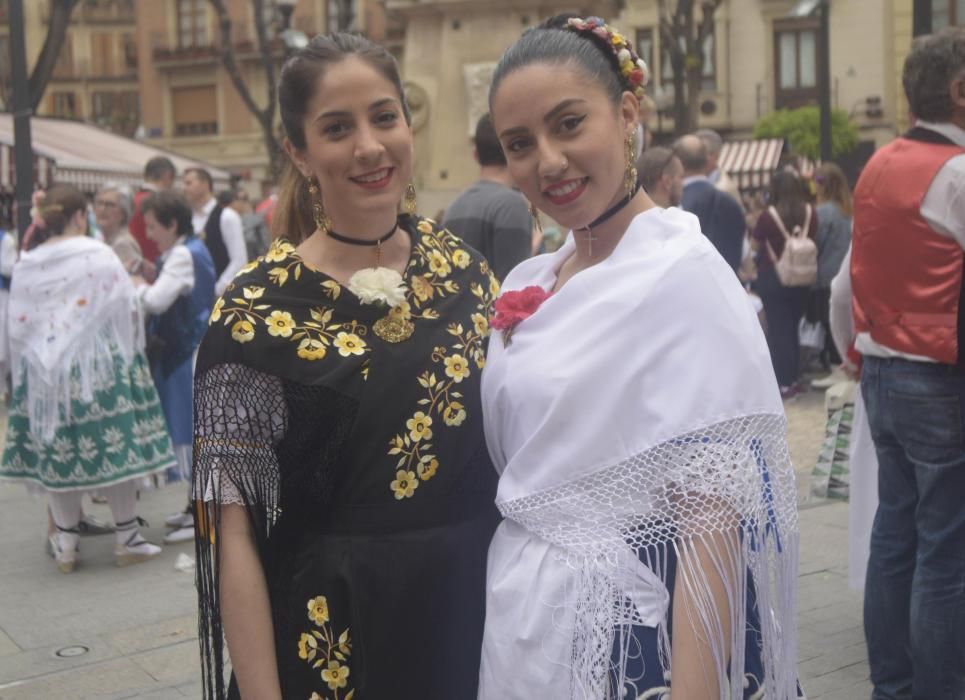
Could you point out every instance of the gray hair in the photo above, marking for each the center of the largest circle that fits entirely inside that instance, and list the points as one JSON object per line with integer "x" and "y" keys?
{"x": 124, "y": 198}
{"x": 711, "y": 139}
{"x": 934, "y": 62}
{"x": 692, "y": 152}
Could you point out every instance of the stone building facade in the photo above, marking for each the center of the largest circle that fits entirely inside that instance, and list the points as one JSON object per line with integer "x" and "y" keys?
{"x": 189, "y": 102}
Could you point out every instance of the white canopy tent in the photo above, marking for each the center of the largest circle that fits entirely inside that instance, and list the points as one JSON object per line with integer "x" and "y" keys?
{"x": 87, "y": 156}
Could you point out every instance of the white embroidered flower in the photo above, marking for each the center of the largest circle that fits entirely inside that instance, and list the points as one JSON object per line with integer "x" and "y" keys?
{"x": 378, "y": 285}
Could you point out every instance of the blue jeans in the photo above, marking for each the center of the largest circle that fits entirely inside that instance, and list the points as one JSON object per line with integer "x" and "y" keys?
{"x": 914, "y": 607}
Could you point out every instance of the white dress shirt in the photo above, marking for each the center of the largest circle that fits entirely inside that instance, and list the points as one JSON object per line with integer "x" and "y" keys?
{"x": 942, "y": 207}
{"x": 233, "y": 235}
{"x": 175, "y": 280}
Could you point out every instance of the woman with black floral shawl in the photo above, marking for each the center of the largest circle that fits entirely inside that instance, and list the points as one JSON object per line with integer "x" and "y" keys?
{"x": 340, "y": 464}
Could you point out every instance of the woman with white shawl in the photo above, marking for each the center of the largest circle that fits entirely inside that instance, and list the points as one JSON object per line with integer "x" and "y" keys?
{"x": 650, "y": 538}
{"x": 84, "y": 413}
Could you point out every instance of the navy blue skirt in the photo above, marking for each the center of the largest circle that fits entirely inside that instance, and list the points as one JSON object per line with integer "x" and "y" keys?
{"x": 645, "y": 677}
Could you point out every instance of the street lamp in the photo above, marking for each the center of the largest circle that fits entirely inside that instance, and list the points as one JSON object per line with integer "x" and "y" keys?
{"x": 292, "y": 38}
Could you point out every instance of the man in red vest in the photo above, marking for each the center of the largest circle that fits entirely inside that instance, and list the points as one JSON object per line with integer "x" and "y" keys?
{"x": 907, "y": 265}
{"x": 159, "y": 174}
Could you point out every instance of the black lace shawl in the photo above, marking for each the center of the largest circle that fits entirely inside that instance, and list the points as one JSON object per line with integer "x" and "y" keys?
{"x": 314, "y": 423}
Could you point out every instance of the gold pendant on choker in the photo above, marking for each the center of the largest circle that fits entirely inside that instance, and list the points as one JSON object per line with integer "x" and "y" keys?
{"x": 393, "y": 329}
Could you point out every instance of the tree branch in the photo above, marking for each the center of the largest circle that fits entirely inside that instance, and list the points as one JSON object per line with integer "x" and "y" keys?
{"x": 230, "y": 60}
{"x": 267, "y": 60}
{"x": 60, "y": 11}
{"x": 706, "y": 26}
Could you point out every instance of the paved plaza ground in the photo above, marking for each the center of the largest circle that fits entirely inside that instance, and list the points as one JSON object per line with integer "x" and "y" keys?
{"x": 105, "y": 633}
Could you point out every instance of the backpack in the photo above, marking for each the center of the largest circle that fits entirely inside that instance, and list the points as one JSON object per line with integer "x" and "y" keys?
{"x": 798, "y": 264}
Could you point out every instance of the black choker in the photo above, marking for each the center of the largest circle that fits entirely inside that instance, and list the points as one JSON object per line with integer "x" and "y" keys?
{"x": 612, "y": 211}
{"x": 360, "y": 241}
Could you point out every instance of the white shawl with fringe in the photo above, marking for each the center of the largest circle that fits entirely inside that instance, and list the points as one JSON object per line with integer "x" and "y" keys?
{"x": 72, "y": 312}
{"x": 636, "y": 409}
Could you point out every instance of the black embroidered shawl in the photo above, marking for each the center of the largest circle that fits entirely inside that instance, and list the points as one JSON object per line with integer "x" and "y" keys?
{"x": 363, "y": 469}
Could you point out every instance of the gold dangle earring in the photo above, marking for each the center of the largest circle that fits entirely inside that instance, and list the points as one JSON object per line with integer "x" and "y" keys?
{"x": 409, "y": 203}
{"x": 537, "y": 222}
{"x": 631, "y": 167}
{"x": 322, "y": 222}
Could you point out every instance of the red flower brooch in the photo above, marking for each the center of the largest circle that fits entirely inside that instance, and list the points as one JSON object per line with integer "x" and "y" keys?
{"x": 512, "y": 308}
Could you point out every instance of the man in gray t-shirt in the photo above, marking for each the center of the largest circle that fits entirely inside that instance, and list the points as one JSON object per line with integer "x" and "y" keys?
{"x": 490, "y": 215}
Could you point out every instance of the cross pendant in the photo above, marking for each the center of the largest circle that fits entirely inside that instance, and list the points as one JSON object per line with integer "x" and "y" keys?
{"x": 589, "y": 241}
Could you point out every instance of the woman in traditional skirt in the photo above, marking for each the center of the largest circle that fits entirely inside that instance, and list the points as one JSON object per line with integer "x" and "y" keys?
{"x": 179, "y": 302}
{"x": 84, "y": 413}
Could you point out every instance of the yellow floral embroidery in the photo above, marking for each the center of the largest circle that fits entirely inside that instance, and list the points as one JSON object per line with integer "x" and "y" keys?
{"x": 419, "y": 427}
{"x": 216, "y": 311}
{"x": 312, "y": 337}
{"x": 439, "y": 264}
{"x": 457, "y": 368}
{"x": 454, "y": 414}
{"x": 349, "y": 344}
{"x": 440, "y": 252}
{"x": 280, "y": 324}
{"x": 279, "y": 251}
{"x": 405, "y": 484}
{"x": 461, "y": 259}
{"x": 311, "y": 349}
{"x": 427, "y": 468}
{"x": 243, "y": 331}
{"x": 422, "y": 288}
{"x": 481, "y": 324}
{"x": 335, "y": 675}
{"x": 326, "y": 653}
{"x": 307, "y": 644}
{"x": 318, "y": 610}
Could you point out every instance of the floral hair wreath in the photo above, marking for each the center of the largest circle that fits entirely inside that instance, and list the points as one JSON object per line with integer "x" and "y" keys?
{"x": 633, "y": 69}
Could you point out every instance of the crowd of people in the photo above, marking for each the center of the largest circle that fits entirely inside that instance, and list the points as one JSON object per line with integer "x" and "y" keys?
{"x": 100, "y": 353}
{"x": 561, "y": 475}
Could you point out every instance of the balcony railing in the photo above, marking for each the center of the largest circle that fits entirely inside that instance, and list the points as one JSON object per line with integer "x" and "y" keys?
{"x": 168, "y": 50}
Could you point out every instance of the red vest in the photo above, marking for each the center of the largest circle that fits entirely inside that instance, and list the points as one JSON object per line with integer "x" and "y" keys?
{"x": 907, "y": 279}
{"x": 138, "y": 229}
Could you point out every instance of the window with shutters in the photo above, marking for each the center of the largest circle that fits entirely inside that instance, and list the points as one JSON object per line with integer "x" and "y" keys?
{"x": 708, "y": 72}
{"x": 796, "y": 59}
{"x": 64, "y": 68}
{"x": 129, "y": 53}
{"x": 119, "y": 112}
{"x": 192, "y": 23}
{"x": 102, "y": 54}
{"x": 64, "y": 104}
{"x": 644, "y": 37}
{"x": 195, "y": 110}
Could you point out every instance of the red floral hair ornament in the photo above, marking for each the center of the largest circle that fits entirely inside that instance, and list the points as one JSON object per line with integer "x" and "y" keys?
{"x": 633, "y": 69}
{"x": 512, "y": 308}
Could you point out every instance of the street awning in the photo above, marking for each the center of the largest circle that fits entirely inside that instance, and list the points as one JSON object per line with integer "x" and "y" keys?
{"x": 751, "y": 163}
{"x": 87, "y": 156}
{"x": 42, "y": 168}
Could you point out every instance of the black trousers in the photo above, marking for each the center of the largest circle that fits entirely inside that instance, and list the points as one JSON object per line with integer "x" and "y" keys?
{"x": 783, "y": 307}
